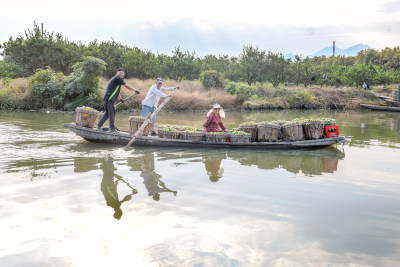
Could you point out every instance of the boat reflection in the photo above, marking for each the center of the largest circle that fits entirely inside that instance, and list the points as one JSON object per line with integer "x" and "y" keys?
{"x": 143, "y": 166}
{"x": 309, "y": 162}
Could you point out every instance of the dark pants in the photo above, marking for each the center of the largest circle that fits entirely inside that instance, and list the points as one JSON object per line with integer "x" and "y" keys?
{"x": 108, "y": 114}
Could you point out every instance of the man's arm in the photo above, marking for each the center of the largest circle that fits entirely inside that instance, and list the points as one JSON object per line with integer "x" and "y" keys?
{"x": 170, "y": 88}
{"x": 131, "y": 88}
{"x": 155, "y": 91}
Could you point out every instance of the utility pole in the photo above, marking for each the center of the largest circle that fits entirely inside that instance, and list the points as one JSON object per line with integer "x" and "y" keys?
{"x": 42, "y": 29}
{"x": 333, "y": 48}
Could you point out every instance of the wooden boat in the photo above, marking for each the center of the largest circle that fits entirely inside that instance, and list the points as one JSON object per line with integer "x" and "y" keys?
{"x": 122, "y": 138}
{"x": 380, "y": 108}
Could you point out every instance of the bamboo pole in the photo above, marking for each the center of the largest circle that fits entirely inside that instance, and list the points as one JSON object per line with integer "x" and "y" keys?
{"x": 148, "y": 119}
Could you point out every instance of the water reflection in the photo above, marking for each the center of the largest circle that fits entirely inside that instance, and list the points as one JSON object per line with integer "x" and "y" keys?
{"x": 151, "y": 179}
{"x": 212, "y": 162}
{"x": 109, "y": 186}
{"x": 309, "y": 162}
{"x": 142, "y": 167}
{"x": 396, "y": 126}
{"x": 373, "y": 128}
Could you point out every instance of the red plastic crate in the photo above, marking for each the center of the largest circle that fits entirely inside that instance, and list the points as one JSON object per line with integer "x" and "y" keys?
{"x": 331, "y": 131}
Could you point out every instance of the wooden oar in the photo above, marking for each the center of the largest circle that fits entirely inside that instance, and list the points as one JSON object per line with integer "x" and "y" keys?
{"x": 124, "y": 100}
{"x": 148, "y": 119}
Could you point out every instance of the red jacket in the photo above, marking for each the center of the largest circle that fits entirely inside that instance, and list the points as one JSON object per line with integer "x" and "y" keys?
{"x": 212, "y": 123}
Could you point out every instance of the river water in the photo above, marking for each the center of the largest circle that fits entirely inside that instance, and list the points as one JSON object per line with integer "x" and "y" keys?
{"x": 68, "y": 202}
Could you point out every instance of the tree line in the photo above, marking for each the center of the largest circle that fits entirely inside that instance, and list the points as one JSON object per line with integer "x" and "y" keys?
{"x": 41, "y": 49}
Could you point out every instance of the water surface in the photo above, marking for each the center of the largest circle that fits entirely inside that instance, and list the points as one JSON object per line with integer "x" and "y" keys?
{"x": 68, "y": 202}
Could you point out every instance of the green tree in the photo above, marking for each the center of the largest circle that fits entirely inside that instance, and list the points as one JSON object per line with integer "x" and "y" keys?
{"x": 211, "y": 78}
{"x": 253, "y": 64}
{"x": 38, "y": 49}
{"x": 140, "y": 64}
{"x": 277, "y": 68}
{"x": 111, "y": 52}
{"x": 182, "y": 65}
{"x": 82, "y": 85}
{"x": 295, "y": 70}
{"x": 10, "y": 69}
{"x": 309, "y": 71}
{"x": 361, "y": 73}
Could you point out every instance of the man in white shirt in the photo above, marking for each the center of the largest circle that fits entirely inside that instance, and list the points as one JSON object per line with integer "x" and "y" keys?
{"x": 150, "y": 103}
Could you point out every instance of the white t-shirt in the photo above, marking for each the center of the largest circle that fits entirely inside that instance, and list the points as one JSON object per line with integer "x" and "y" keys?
{"x": 154, "y": 94}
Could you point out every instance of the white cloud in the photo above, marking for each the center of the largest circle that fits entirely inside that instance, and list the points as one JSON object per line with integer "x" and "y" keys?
{"x": 393, "y": 6}
{"x": 215, "y": 27}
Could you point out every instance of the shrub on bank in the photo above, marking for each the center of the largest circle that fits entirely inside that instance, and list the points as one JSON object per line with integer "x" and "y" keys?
{"x": 211, "y": 78}
{"x": 47, "y": 87}
{"x": 241, "y": 90}
{"x": 54, "y": 90}
{"x": 10, "y": 69}
{"x": 82, "y": 86}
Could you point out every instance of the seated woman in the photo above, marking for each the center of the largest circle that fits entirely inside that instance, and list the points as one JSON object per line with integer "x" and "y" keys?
{"x": 214, "y": 121}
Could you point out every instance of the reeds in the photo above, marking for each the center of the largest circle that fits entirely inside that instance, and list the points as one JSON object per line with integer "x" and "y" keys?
{"x": 193, "y": 96}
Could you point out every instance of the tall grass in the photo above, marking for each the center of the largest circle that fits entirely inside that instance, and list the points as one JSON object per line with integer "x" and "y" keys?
{"x": 16, "y": 95}
{"x": 193, "y": 96}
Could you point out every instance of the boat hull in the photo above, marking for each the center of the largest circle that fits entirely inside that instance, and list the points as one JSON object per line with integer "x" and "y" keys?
{"x": 123, "y": 138}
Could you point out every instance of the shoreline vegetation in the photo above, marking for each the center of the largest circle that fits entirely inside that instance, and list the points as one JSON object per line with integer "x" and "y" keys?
{"x": 193, "y": 96}
{"x": 43, "y": 70}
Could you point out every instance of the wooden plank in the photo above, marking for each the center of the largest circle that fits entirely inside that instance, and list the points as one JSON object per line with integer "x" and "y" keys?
{"x": 380, "y": 108}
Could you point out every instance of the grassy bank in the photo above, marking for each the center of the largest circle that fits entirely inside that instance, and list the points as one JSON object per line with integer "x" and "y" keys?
{"x": 193, "y": 96}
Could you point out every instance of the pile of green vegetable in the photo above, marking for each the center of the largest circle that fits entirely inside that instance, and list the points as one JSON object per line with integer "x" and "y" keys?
{"x": 190, "y": 129}
{"x": 169, "y": 128}
{"x": 284, "y": 123}
{"x": 250, "y": 123}
{"x": 88, "y": 109}
{"x": 236, "y": 131}
{"x": 220, "y": 133}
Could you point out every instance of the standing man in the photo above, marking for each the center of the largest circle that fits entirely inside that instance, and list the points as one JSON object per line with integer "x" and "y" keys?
{"x": 110, "y": 96}
{"x": 150, "y": 103}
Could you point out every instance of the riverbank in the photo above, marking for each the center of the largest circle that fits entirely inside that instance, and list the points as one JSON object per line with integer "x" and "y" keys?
{"x": 193, "y": 96}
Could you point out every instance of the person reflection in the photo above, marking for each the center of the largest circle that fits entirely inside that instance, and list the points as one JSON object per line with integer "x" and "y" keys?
{"x": 151, "y": 179}
{"x": 109, "y": 187}
{"x": 212, "y": 162}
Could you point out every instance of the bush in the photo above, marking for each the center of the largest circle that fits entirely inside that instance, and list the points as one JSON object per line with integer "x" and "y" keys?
{"x": 43, "y": 76}
{"x": 211, "y": 78}
{"x": 10, "y": 69}
{"x": 301, "y": 99}
{"x": 51, "y": 89}
{"x": 81, "y": 87}
{"x": 47, "y": 88}
{"x": 4, "y": 98}
{"x": 243, "y": 91}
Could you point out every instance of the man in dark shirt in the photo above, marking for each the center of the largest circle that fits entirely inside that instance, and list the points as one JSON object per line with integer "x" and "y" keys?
{"x": 111, "y": 95}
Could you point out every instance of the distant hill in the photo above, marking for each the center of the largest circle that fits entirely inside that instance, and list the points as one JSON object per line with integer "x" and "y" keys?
{"x": 328, "y": 51}
{"x": 348, "y": 52}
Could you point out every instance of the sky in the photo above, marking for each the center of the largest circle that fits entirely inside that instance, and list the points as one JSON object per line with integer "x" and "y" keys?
{"x": 217, "y": 27}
